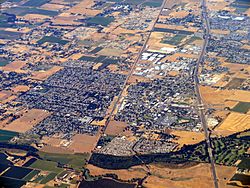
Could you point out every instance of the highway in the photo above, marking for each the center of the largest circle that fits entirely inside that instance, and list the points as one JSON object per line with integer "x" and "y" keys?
{"x": 197, "y": 90}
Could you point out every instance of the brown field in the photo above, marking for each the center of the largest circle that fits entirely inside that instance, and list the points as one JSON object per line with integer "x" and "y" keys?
{"x": 179, "y": 14}
{"x": 187, "y": 137}
{"x": 189, "y": 177}
{"x": 20, "y": 88}
{"x": 43, "y": 75}
{"x": 14, "y": 66}
{"x": 110, "y": 52}
{"x": 134, "y": 79}
{"x": 233, "y": 66}
{"x": 235, "y": 122}
{"x": 208, "y": 94}
{"x": 83, "y": 143}
{"x": 4, "y": 95}
{"x": 65, "y": 19}
{"x": 113, "y": 68}
{"x": 128, "y": 174}
{"x": 115, "y": 127}
{"x": 35, "y": 17}
{"x": 52, "y": 141}
{"x": 84, "y": 8}
{"x": 28, "y": 120}
{"x": 50, "y": 6}
{"x": 155, "y": 41}
{"x": 54, "y": 149}
{"x": 220, "y": 32}
{"x": 96, "y": 66}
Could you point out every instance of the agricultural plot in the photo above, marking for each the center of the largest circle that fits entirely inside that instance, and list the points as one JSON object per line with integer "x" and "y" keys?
{"x": 9, "y": 182}
{"x": 242, "y": 107}
{"x": 3, "y": 62}
{"x": 52, "y": 39}
{"x": 31, "y": 175}
{"x": 244, "y": 164}
{"x": 100, "y": 20}
{"x": 32, "y": 3}
{"x": 22, "y": 11}
{"x": 234, "y": 83}
{"x": 176, "y": 40}
{"x": 6, "y": 136}
{"x": 152, "y": 3}
{"x": 16, "y": 172}
{"x": 48, "y": 178}
{"x": 174, "y": 31}
{"x": 46, "y": 166}
{"x": 76, "y": 161}
{"x": 240, "y": 179}
{"x": 10, "y": 35}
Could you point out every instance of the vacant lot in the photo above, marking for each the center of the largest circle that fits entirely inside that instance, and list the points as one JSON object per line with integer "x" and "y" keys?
{"x": 115, "y": 127}
{"x": 83, "y": 143}
{"x": 28, "y": 120}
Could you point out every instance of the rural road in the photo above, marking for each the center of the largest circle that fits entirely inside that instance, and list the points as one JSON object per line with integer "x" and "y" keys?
{"x": 197, "y": 90}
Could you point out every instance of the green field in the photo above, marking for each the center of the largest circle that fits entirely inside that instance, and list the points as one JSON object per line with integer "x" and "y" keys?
{"x": 242, "y": 107}
{"x": 244, "y": 164}
{"x": 22, "y": 11}
{"x": 76, "y": 161}
{"x": 46, "y": 166}
{"x": 6, "y": 136}
{"x": 48, "y": 178}
{"x": 244, "y": 179}
{"x": 3, "y": 62}
{"x": 32, "y": 3}
{"x": 100, "y": 20}
{"x": 176, "y": 40}
{"x": 31, "y": 175}
{"x": 152, "y": 4}
{"x": 52, "y": 39}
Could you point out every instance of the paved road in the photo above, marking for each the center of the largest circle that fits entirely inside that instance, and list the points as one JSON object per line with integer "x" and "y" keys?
{"x": 199, "y": 99}
{"x": 133, "y": 68}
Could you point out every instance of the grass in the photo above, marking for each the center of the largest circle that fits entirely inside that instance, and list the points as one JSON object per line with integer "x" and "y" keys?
{"x": 32, "y": 174}
{"x": 22, "y": 11}
{"x": 38, "y": 179}
{"x": 244, "y": 164}
{"x": 244, "y": 179}
{"x": 76, "y": 161}
{"x": 152, "y": 4}
{"x": 242, "y": 107}
{"x": 48, "y": 178}
{"x": 52, "y": 39}
{"x": 100, "y": 20}
{"x": 32, "y": 3}
{"x": 174, "y": 40}
{"x": 46, "y": 166}
{"x": 6, "y": 136}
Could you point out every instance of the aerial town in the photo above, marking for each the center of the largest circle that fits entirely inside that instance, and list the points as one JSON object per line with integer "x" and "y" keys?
{"x": 124, "y": 93}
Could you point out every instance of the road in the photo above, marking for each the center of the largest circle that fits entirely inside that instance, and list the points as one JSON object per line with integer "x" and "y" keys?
{"x": 197, "y": 90}
{"x": 133, "y": 68}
